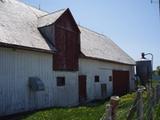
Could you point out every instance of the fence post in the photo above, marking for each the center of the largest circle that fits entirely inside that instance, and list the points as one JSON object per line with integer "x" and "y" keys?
{"x": 108, "y": 112}
{"x": 140, "y": 105}
{"x": 114, "y": 101}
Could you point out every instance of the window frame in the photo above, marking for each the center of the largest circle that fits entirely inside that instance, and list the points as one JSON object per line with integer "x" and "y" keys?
{"x": 61, "y": 81}
{"x": 96, "y": 78}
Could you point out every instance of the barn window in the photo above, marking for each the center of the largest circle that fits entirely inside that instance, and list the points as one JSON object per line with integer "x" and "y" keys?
{"x": 60, "y": 81}
{"x": 96, "y": 78}
{"x": 110, "y": 78}
{"x": 36, "y": 84}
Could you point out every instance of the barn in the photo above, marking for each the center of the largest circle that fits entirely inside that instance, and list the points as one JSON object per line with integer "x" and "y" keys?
{"x": 48, "y": 60}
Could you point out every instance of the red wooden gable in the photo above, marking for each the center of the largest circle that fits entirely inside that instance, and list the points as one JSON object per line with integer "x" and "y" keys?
{"x": 67, "y": 43}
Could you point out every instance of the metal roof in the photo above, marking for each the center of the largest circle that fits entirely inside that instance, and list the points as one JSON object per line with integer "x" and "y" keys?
{"x": 19, "y": 26}
{"x": 95, "y": 45}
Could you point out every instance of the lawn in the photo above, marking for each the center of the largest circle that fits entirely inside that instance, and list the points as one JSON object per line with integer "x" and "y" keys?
{"x": 88, "y": 112}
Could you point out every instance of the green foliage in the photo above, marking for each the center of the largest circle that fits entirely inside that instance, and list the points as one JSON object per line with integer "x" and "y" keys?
{"x": 90, "y": 112}
{"x": 157, "y": 111}
{"x": 124, "y": 106}
{"x": 157, "y": 71}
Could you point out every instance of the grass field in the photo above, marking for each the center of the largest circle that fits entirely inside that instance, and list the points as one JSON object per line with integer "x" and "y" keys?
{"x": 89, "y": 112}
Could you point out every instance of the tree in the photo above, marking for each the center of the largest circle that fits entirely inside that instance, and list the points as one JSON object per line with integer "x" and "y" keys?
{"x": 158, "y": 70}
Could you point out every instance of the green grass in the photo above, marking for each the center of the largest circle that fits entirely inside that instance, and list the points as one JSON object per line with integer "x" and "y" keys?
{"x": 157, "y": 111}
{"x": 155, "y": 82}
{"x": 89, "y": 112}
{"x": 124, "y": 105}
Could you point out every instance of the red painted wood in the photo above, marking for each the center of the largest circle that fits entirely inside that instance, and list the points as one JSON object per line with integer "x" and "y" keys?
{"x": 120, "y": 82}
{"x": 59, "y": 58}
{"x": 67, "y": 43}
{"x": 82, "y": 88}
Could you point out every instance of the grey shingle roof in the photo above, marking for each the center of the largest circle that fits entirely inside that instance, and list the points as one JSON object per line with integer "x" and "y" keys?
{"x": 49, "y": 19}
{"x": 96, "y": 45}
{"x": 19, "y": 26}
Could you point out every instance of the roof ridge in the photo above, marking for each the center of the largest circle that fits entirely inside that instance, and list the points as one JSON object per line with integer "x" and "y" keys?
{"x": 32, "y": 6}
{"x": 54, "y": 12}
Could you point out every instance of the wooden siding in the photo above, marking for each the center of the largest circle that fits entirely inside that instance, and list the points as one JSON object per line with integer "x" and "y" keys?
{"x": 16, "y": 66}
{"x": 82, "y": 88}
{"x": 120, "y": 82}
{"x": 67, "y": 42}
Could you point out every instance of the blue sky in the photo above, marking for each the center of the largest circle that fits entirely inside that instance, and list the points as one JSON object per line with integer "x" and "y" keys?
{"x": 134, "y": 25}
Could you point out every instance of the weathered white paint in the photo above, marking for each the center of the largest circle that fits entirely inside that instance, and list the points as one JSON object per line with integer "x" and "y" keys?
{"x": 90, "y": 68}
{"x": 16, "y": 66}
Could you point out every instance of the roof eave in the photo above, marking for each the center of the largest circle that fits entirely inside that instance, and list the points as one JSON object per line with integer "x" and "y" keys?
{"x": 105, "y": 60}
{"x": 6, "y": 45}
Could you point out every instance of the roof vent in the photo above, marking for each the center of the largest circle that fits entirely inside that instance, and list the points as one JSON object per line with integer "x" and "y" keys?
{"x": 36, "y": 84}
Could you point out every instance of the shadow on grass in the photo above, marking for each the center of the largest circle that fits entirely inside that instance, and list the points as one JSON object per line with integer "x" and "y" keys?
{"x": 24, "y": 115}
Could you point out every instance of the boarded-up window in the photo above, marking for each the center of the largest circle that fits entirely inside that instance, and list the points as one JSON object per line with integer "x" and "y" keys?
{"x": 96, "y": 78}
{"x": 60, "y": 81}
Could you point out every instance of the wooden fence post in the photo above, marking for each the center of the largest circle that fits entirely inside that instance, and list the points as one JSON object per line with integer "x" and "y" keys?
{"x": 114, "y": 101}
{"x": 140, "y": 105}
{"x": 108, "y": 112}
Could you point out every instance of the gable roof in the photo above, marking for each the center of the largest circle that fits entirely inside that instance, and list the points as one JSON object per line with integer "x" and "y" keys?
{"x": 50, "y": 18}
{"x": 19, "y": 26}
{"x": 53, "y": 17}
{"x": 95, "y": 45}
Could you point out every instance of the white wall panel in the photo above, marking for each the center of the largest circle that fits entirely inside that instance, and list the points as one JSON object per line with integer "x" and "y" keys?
{"x": 16, "y": 66}
{"x": 90, "y": 68}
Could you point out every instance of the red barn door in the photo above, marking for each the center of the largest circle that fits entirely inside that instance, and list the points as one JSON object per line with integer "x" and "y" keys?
{"x": 120, "y": 82}
{"x": 82, "y": 88}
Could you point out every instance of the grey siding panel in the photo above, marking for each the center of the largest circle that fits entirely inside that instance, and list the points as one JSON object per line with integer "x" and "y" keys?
{"x": 16, "y": 66}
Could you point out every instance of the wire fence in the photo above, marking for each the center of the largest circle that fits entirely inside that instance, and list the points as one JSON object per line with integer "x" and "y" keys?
{"x": 142, "y": 108}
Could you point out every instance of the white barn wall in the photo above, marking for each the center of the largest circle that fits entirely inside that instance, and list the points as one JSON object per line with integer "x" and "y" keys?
{"x": 61, "y": 92}
{"x": 90, "y": 68}
{"x": 16, "y": 66}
